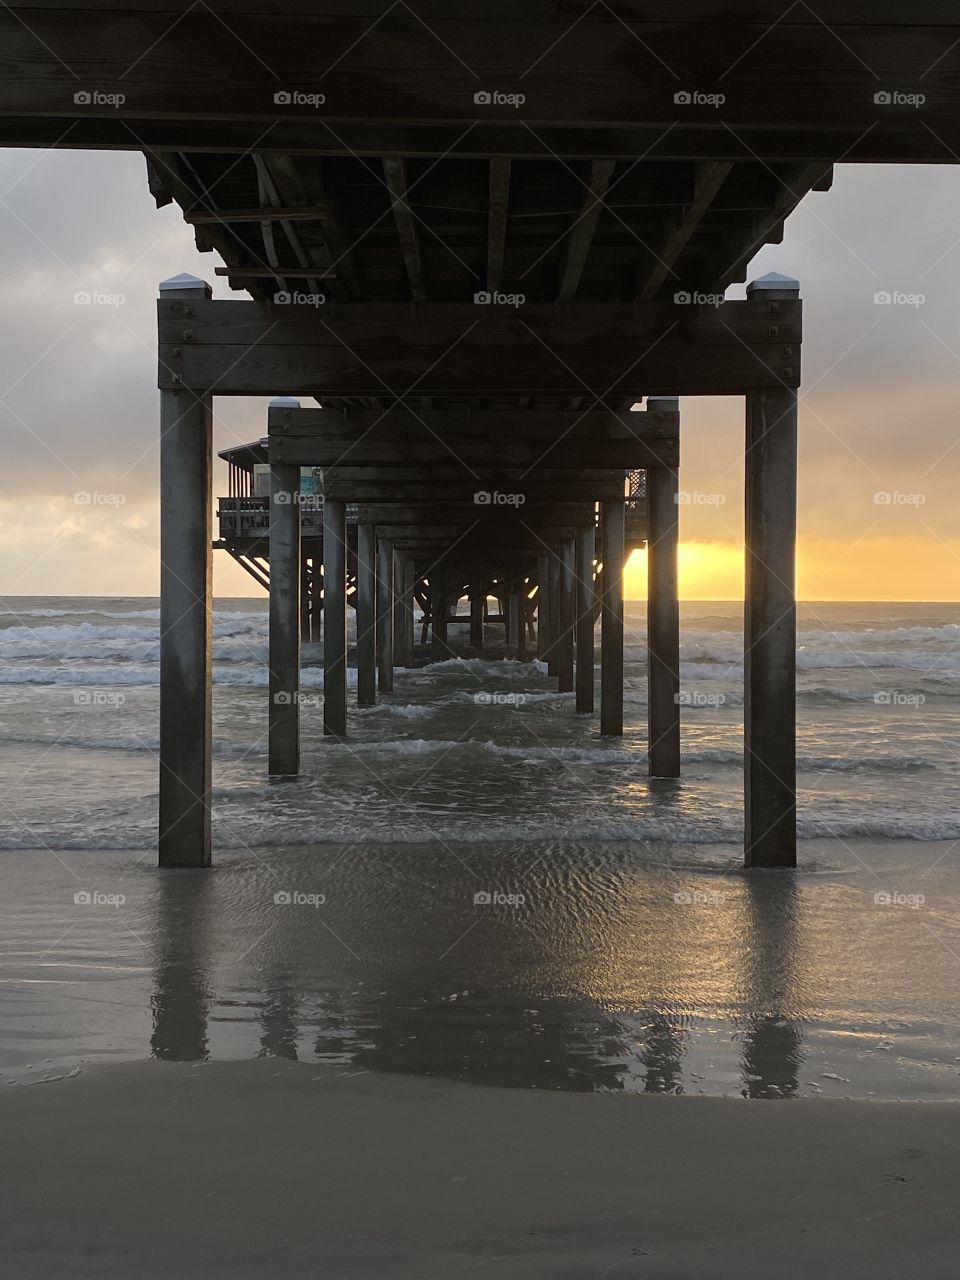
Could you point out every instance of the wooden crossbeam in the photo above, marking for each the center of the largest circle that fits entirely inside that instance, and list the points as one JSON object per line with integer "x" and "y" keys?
{"x": 605, "y": 351}
{"x": 628, "y": 454}
{"x": 375, "y": 485}
{"x": 399, "y": 422}
{"x": 426, "y": 514}
{"x": 497, "y": 221}
{"x": 733, "y": 257}
{"x": 395, "y": 173}
{"x": 580, "y": 236}
{"x": 396, "y": 69}
{"x": 676, "y": 234}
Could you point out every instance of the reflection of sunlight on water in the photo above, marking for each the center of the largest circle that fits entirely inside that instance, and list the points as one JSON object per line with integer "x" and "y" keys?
{"x": 625, "y": 968}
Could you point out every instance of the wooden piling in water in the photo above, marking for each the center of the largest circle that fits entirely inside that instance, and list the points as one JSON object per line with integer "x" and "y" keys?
{"x": 366, "y": 615}
{"x": 186, "y": 558}
{"x": 285, "y": 621}
{"x": 586, "y": 550}
{"x": 770, "y": 623}
{"x": 334, "y": 618}
{"x": 611, "y": 618}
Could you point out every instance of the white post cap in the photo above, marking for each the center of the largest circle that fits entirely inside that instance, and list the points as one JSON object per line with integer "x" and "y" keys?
{"x": 773, "y": 282}
{"x": 183, "y": 282}
{"x": 284, "y": 402}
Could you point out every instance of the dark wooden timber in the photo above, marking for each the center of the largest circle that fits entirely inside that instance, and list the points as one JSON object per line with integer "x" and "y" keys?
{"x": 186, "y": 608}
{"x": 770, "y": 628}
{"x": 611, "y": 619}
{"x": 663, "y": 626}
{"x": 366, "y": 614}
{"x": 334, "y": 618}
{"x": 385, "y": 604}
{"x": 585, "y": 608}
{"x": 285, "y": 585}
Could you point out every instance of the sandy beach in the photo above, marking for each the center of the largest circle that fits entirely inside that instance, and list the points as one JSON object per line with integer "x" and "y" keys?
{"x": 264, "y": 1168}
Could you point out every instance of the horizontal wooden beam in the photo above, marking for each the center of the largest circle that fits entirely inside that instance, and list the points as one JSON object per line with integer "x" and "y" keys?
{"x": 629, "y": 454}
{"x": 398, "y": 423}
{"x": 504, "y": 490}
{"x": 179, "y": 64}
{"x": 893, "y": 140}
{"x": 425, "y": 514}
{"x": 597, "y": 350}
{"x": 295, "y": 271}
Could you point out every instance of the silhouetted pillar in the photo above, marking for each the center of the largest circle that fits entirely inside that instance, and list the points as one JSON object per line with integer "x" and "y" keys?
{"x": 409, "y": 586}
{"x": 663, "y": 624}
{"x": 399, "y": 560}
{"x": 565, "y": 634}
{"x": 512, "y": 604}
{"x": 586, "y": 540}
{"x": 611, "y": 618}
{"x": 476, "y": 608}
{"x": 543, "y": 607}
{"x": 770, "y": 624}
{"x": 438, "y": 606}
{"x": 186, "y": 517}
{"x": 366, "y": 615}
{"x": 385, "y": 615}
{"x": 334, "y": 617}
{"x": 553, "y": 605}
{"x": 285, "y": 622}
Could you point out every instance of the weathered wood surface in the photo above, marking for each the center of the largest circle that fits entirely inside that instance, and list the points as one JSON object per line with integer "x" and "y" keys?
{"x": 187, "y": 65}
{"x": 603, "y": 351}
{"x": 367, "y": 485}
{"x": 470, "y": 452}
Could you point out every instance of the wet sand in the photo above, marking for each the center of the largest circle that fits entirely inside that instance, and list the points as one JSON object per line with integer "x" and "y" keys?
{"x": 265, "y": 1168}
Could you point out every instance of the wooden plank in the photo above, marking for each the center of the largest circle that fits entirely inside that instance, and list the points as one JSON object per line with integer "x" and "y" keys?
{"x": 398, "y": 513}
{"x": 358, "y": 487}
{"x": 399, "y": 69}
{"x": 732, "y": 259}
{"x": 580, "y": 235}
{"x": 894, "y": 139}
{"x": 676, "y": 234}
{"x": 438, "y": 325}
{"x": 397, "y": 423}
{"x": 675, "y": 367}
{"x": 842, "y": 13}
{"x": 395, "y": 173}
{"x": 628, "y": 453}
{"x": 499, "y": 200}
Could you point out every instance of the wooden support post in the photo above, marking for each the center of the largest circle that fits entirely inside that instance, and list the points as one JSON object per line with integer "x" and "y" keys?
{"x": 543, "y": 607}
{"x": 316, "y": 597}
{"x": 512, "y": 630}
{"x": 186, "y": 516}
{"x": 565, "y": 633}
{"x": 285, "y": 622}
{"x": 586, "y": 550}
{"x": 663, "y": 624}
{"x": 770, "y": 624}
{"x": 409, "y": 586}
{"x": 304, "y": 601}
{"x": 366, "y": 615}
{"x": 476, "y": 609}
{"x": 522, "y": 611}
{"x": 399, "y": 630}
{"x": 611, "y": 618}
{"x": 438, "y": 608}
{"x": 334, "y": 617}
{"x": 553, "y": 606}
{"x": 385, "y": 558}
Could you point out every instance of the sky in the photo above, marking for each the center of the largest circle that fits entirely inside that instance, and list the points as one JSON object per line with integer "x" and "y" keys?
{"x": 879, "y": 517}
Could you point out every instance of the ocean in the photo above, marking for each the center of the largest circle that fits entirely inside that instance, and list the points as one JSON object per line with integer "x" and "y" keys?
{"x": 475, "y": 884}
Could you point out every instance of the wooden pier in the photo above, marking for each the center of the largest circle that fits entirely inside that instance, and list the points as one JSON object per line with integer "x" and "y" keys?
{"x": 473, "y": 240}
